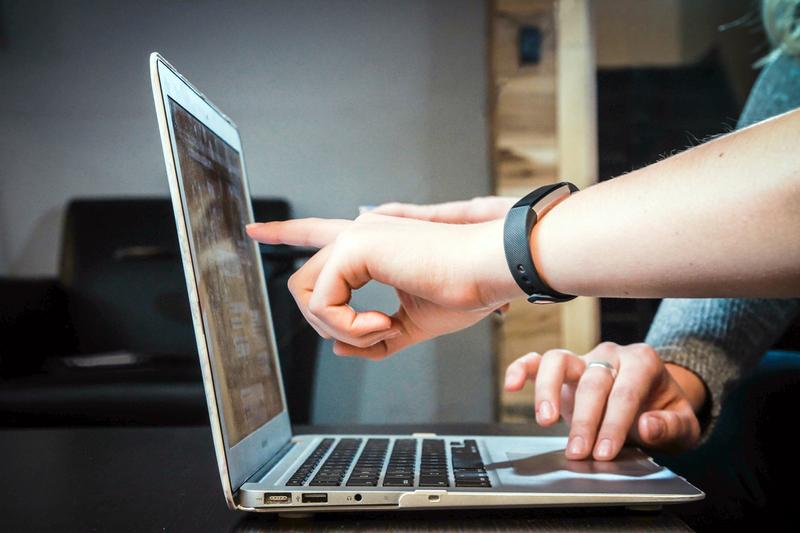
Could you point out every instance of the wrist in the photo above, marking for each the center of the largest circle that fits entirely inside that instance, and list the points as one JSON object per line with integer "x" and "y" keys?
{"x": 545, "y": 251}
{"x": 692, "y": 385}
{"x": 493, "y": 280}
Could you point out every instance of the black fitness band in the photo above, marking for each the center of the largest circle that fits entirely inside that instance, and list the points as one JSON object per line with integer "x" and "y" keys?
{"x": 516, "y": 240}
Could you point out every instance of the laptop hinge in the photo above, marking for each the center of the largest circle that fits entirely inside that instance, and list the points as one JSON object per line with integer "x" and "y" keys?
{"x": 269, "y": 465}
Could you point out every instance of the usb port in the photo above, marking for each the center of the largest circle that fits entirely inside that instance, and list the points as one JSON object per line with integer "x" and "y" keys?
{"x": 315, "y": 497}
{"x": 277, "y": 498}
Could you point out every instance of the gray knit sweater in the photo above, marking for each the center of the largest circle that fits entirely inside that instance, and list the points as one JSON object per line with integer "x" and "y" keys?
{"x": 722, "y": 339}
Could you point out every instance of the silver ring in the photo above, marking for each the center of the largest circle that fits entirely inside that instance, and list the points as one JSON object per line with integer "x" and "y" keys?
{"x": 603, "y": 364}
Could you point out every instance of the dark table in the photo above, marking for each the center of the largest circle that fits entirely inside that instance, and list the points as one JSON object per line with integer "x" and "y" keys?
{"x": 165, "y": 479}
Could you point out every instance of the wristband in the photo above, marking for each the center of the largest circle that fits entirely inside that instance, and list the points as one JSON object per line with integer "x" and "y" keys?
{"x": 516, "y": 240}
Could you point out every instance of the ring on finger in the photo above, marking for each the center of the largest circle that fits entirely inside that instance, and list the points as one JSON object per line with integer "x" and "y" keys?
{"x": 603, "y": 364}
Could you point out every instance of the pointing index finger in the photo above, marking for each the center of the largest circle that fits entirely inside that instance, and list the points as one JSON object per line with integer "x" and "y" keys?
{"x": 313, "y": 232}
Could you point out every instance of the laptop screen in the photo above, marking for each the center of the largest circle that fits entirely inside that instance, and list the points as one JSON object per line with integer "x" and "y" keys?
{"x": 228, "y": 273}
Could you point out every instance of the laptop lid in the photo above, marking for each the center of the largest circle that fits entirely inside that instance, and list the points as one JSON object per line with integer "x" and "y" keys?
{"x": 224, "y": 277}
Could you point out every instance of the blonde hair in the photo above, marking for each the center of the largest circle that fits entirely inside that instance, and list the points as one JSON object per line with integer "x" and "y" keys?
{"x": 782, "y": 24}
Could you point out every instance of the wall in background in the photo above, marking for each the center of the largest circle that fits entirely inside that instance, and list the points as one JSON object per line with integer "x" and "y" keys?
{"x": 340, "y": 103}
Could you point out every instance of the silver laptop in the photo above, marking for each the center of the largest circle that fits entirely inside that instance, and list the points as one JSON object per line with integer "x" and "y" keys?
{"x": 262, "y": 466}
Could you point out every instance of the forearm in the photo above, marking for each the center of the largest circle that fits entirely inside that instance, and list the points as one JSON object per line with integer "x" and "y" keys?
{"x": 721, "y": 219}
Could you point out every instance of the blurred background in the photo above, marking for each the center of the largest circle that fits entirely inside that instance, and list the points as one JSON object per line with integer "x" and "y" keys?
{"x": 340, "y": 104}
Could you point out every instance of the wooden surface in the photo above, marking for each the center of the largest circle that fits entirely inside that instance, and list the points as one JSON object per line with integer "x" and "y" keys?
{"x": 577, "y": 144}
{"x": 543, "y": 129}
{"x": 165, "y": 479}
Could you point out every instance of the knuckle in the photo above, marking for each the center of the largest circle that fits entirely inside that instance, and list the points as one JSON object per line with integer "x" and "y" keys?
{"x": 555, "y": 355}
{"x": 652, "y": 368}
{"x": 528, "y": 358}
{"x": 645, "y": 360}
{"x": 346, "y": 237}
{"x": 607, "y": 346}
{"x": 367, "y": 217}
{"x": 593, "y": 383}
{"x": 360, "y": 342}
{"x": 644, "y": 349}
{"x": 671, "y": 420}
{"x": 347, "y": 249}
{"x": 516, "y": 366}
{"x": 626, "y": 394}
{"x": 315, "y": 307}
{"x": 547, "y": 390}
{"x": 292, "y": 283}
{"x": 582, "y": 426}
{"x": 613, "y": 430}
{"x": 645, "y": 352}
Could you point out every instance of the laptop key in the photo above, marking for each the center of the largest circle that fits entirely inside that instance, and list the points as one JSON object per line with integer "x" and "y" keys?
{"x": 363, "y": 483}
{"x": 433, "y": 482}
{"x": 398, "y": 482}
{"x": 471, "y": 483}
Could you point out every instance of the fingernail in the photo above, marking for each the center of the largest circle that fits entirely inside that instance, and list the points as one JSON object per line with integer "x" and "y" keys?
{"x": 545, "y": 411}
{"x": 604, "y": 448}
{"x": 509, "y": 379}
{"x": 576, "y": 445}
{"x": 655, "y": 426}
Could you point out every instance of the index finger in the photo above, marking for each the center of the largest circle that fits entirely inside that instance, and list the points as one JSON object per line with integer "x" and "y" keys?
{"x": 432, "y": 213}
{"x": 313, "y": 232}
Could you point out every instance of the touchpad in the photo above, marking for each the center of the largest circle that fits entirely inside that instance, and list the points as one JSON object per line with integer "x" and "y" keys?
{"x": 550, "y": 471}
{"x": 629, "y": 462}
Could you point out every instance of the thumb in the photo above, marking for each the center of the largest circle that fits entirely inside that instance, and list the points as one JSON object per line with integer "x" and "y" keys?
{"x": 669, "y": 429}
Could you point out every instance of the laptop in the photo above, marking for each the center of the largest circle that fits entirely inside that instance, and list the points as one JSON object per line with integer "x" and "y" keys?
{"x": 262, "y": 465}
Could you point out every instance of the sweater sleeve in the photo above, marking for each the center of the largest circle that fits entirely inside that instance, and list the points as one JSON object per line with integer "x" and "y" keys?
{"x": 718, "y": 339}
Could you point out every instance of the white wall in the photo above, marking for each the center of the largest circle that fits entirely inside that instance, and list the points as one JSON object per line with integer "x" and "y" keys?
{"x": 340, "y": 103}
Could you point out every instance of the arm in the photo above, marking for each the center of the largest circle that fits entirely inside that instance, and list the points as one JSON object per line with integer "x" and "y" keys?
{"x": 696, "y": 224}
{"x": 720, "y": 219}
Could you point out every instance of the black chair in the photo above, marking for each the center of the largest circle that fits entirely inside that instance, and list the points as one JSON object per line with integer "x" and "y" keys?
{"x": 111, "y": 340}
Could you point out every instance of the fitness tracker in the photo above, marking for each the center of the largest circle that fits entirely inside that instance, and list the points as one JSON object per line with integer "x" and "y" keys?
{"x": 516, "y": 240}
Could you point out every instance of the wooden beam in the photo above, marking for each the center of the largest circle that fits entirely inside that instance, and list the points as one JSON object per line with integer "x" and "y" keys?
{"x": 543, "y": 127}
{"x": 577, "y": 141}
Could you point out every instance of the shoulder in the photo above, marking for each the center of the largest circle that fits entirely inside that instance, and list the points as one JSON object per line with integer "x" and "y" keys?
{"x": 776, "y": 91}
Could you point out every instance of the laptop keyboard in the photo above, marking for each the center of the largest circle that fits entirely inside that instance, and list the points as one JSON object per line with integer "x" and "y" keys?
{"x": 433, "y": 470}
{"x": 402, "y": 464}
{"x": 468, "y": 467}
{"x": 404, "y": 467}
{"x": 369, "y": 465}
{"x": 334, "y": 468}
{"x": 300, "y": 477}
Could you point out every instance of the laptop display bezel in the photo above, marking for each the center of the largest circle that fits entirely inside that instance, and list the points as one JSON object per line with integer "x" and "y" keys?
{"x": 238, "y": 462}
